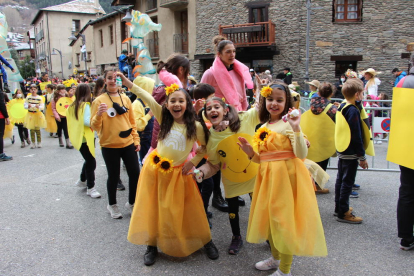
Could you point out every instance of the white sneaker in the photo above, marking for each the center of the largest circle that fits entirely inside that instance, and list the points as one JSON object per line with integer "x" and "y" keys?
{"x": 81, "y": 184}
{"x": 33, "y": 146}
{"x": 129, "y": 206}
{"x": 39, "y": 145}
{"x": 280, "y": 273}
{"x": 379, "y": 142}
{"x": 93, "y": 193}
{"x": 268, "y": 264}
{"x": 113, "y": 209}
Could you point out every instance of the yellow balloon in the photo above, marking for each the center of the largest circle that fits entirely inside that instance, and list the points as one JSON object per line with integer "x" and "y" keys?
{"x": 62, "y": 105}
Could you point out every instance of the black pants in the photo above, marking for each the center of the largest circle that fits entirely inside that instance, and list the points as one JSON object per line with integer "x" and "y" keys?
{"x": 112, "y": 158}
{"x": 234, "y": 215}
{"x": 205, "y": 187}
{"x": 145, "y": 139}
{"x": 23, "y": 132}
{"x": 62, "y": 125}
{"x": 2, "y": 127}
{"x": 216, "y": 187}
{"x": 345, "y": 179}
{"x": 405, "y": 206}
{"x": 89, "y": 166}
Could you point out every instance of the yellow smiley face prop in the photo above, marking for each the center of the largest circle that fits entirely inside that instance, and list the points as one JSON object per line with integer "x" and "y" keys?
{"x": 16, "y": 109}
{"x": 235, "y": 165}
{"x": 62, "y": 105}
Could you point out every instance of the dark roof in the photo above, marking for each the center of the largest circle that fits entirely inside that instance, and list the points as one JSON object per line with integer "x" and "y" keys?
{"x": 109, "y": 15}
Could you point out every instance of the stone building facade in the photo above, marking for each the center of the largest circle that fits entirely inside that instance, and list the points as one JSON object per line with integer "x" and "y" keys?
{"x": 376, "y": 36}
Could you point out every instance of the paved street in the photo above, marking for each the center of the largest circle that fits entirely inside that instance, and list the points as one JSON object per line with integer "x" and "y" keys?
{"x": 50, "y": 227}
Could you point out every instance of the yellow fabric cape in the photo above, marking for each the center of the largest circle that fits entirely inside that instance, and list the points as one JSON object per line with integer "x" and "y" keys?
{"x": 320, "y": 131}
{"x": 343, "y": 132}
{"x": 77, "y": 130}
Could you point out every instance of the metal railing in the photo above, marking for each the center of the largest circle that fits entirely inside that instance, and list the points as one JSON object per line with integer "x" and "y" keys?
{"x": 180, "y": 43}
{"x": 250, "y": 34}
{"x": 153, "y": 47}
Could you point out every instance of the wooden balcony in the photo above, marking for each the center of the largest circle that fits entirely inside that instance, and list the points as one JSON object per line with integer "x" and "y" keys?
{"x": 173, "y": 3}
{"x": 250, "y": 34}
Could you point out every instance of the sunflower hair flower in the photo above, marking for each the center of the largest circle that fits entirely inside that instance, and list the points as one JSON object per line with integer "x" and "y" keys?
{"x": 172, "y": 88}
{"x": 266, "y": 91}
{"x": 261, "y": 136}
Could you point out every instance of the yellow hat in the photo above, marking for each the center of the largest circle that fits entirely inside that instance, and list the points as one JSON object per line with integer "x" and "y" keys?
{"x": 371, "y": 71}
{"x": 315, "y": 83}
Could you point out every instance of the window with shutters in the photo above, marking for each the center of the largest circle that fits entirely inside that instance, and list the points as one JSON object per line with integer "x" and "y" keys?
{"x": 347, "y": 10}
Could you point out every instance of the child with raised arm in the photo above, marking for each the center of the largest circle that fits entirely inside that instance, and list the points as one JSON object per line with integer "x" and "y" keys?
{"x": 284, "y": 208}
{"x": 169, "y": 212}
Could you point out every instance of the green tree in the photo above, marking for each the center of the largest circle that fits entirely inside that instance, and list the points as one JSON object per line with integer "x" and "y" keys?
{"x": 27, "y": 67}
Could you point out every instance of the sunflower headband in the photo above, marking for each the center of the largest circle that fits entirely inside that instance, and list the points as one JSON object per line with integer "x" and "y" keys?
{"x": 172, "y": 88}
{"x": 266, "y": 91}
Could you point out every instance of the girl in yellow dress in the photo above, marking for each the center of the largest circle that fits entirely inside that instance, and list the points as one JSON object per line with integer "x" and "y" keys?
{"x": 18, "y": 99}
{"x": 35, "y": 120}
{"x": 169, "y": 211}
{"x": 284, "y": 208}
{"x": 51, "y": 126}
{"x": 8, "y": 130}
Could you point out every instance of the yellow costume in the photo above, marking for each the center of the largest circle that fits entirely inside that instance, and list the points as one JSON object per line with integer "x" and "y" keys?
{"x": 401, "y": 147}
{"x": 34, "y": 118}
{"x": 238, "y": 172}
{"x": 8, "y": 129}
{"x": 43, "y": 85}
{"x": 284, "y": 208}
{"x": 343, "y": 132}
{"x": 16, "y": 110}
{"x": 78, "y": 132}
{"x": 320, "y": 131}
{"x": 51, "y": 125}
{"x": 168, "y": 211}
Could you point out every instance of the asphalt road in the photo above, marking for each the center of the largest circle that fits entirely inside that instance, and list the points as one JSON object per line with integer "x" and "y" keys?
{"x": 50, "y": 227}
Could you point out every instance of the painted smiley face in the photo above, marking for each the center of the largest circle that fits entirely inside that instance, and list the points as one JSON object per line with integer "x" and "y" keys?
{"x": 235, "y": 165}
{"x": 63, "y": 104}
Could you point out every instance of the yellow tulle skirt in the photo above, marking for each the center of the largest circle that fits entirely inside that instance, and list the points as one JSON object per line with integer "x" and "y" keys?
{"x": 168, "y": 212}
{"x": 51, "y": 125}
{"x": 34, "y": 120}
{"x": 284, "y": 204}
{"x": 8, "y": 131}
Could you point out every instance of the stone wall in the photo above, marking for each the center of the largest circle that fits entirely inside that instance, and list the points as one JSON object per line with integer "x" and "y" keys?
{"x": 380, "y": 38}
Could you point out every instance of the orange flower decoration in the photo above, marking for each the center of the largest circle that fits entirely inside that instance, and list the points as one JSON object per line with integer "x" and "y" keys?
{"x": 165, "y": 165}
{"x": 154, "y": 159}
{"x": 266, "y": 91}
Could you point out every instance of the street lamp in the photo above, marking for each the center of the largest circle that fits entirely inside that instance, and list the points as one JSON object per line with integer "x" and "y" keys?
{"x": 83, "y": 50}
{"x": 60, "y": 53}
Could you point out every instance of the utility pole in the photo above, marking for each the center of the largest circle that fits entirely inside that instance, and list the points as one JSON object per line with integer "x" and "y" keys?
{"x": 308, "y": 21}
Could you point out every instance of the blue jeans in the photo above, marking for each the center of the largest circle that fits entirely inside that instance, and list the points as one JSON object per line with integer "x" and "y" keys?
{"x": 345, "y": 179}
{"x": 3, "y": 71}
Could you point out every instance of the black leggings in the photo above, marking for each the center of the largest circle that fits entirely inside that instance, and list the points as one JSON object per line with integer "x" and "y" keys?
{"x": 234, "y": 214}
{"x": 89, "y": 166}
{"x": 23, "y": 132}
{"x": 2, "y": 126}
{"x": 205, "y": 187}
{"x": 112, "y": 158}
{"x": 216, "y": 186}
{"x": 62, "y": 125}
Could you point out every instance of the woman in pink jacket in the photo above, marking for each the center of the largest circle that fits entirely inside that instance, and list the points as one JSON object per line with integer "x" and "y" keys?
{"x": 228, "y": 76}
{"x": 60, "y": 120}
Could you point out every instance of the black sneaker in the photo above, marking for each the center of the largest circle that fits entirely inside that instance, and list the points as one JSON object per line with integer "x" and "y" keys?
{"x": 211, "y": 250}
{"x": 209, "y": 214}
{"x": 241, "y": 201}
{"x": 150, "y": 255}
{"x": 4, "y": 157}
{"x": 120, "y": 186}
{"x": 219, "y": 203}
{"x": 407, "y": 244}
{"x": 236, "y": 245}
